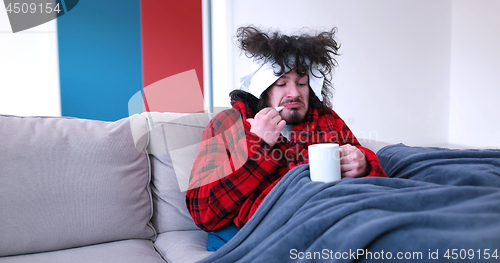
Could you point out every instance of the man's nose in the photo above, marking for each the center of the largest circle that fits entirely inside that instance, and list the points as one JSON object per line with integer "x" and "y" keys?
{"x": 293, "y": 91}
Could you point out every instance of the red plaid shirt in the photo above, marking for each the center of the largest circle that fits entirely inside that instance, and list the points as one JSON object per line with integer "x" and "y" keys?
{"x": 235, "y": 169}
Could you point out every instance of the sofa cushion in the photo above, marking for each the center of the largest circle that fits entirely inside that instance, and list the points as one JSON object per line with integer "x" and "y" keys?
{"x": 373, "y": 145}
{"x": 124, "y": 251}
{"x": 182, "y": 246}
{"x": 174, "y": 143}
{"x": 69, "y": 182}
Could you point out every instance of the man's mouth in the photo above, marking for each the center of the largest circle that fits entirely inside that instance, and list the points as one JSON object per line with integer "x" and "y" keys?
{"x": 292, "y": 105}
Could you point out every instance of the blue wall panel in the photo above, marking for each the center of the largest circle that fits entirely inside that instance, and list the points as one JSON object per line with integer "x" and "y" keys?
{"x": 100, "y": 58}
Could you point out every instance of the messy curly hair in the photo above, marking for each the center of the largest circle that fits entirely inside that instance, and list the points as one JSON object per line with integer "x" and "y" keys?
{"x": 294, "y": 51}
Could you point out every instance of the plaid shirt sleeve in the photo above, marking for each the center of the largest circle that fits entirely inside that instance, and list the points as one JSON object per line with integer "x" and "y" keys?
{"x": 230, "y": 169}
{"x": 345, "y": 136}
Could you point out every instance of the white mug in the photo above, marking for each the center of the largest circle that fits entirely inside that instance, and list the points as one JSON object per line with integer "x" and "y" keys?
{"x": 324, "y": 162}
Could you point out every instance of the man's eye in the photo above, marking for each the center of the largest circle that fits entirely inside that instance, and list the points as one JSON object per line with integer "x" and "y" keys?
{"x": 302, "y": 84}
{"x": 280, "y": 85}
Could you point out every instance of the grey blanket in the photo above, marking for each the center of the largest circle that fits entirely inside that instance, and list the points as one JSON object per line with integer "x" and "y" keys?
{"x": 438, "y": 204}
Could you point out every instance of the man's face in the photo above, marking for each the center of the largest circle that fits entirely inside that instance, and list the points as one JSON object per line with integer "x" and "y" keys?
{"x": 292, "y": 92}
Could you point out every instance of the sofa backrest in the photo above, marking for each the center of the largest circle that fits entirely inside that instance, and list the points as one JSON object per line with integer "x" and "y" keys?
{"x": 173, "y": 147}
{"x": 68, "y": 182}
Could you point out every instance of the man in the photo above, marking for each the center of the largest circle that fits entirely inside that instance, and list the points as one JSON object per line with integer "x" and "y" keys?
{"x": 246, "y": 150}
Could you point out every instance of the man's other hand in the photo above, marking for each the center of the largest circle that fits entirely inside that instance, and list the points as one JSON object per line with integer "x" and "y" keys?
{"x": 352, "y": 161}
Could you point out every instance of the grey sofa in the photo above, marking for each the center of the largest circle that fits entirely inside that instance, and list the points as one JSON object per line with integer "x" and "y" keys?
{"x": 76, "y": 190}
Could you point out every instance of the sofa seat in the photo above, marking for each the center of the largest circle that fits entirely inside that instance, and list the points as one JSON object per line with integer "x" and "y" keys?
{"x": 126, "y": 251}
{"x": 183, "y": 246}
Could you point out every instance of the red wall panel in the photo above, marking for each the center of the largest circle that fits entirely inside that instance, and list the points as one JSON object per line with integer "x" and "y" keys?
{"x": 171, "y": 44}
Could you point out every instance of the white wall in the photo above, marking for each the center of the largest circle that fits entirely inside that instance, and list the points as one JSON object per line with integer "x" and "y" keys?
{"x": 475, "y": 73}
{"x": 222, "y": 55}
{"x": 392, "y": 83}
{"x": 29, "y": 71}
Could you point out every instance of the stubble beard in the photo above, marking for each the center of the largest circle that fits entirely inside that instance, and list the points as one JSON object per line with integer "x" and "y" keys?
{"x": 293, "y": 118}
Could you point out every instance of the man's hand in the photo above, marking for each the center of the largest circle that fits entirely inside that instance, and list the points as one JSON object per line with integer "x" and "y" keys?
{"x": 267, "y": 124}
{"x": 352, "y": 161}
